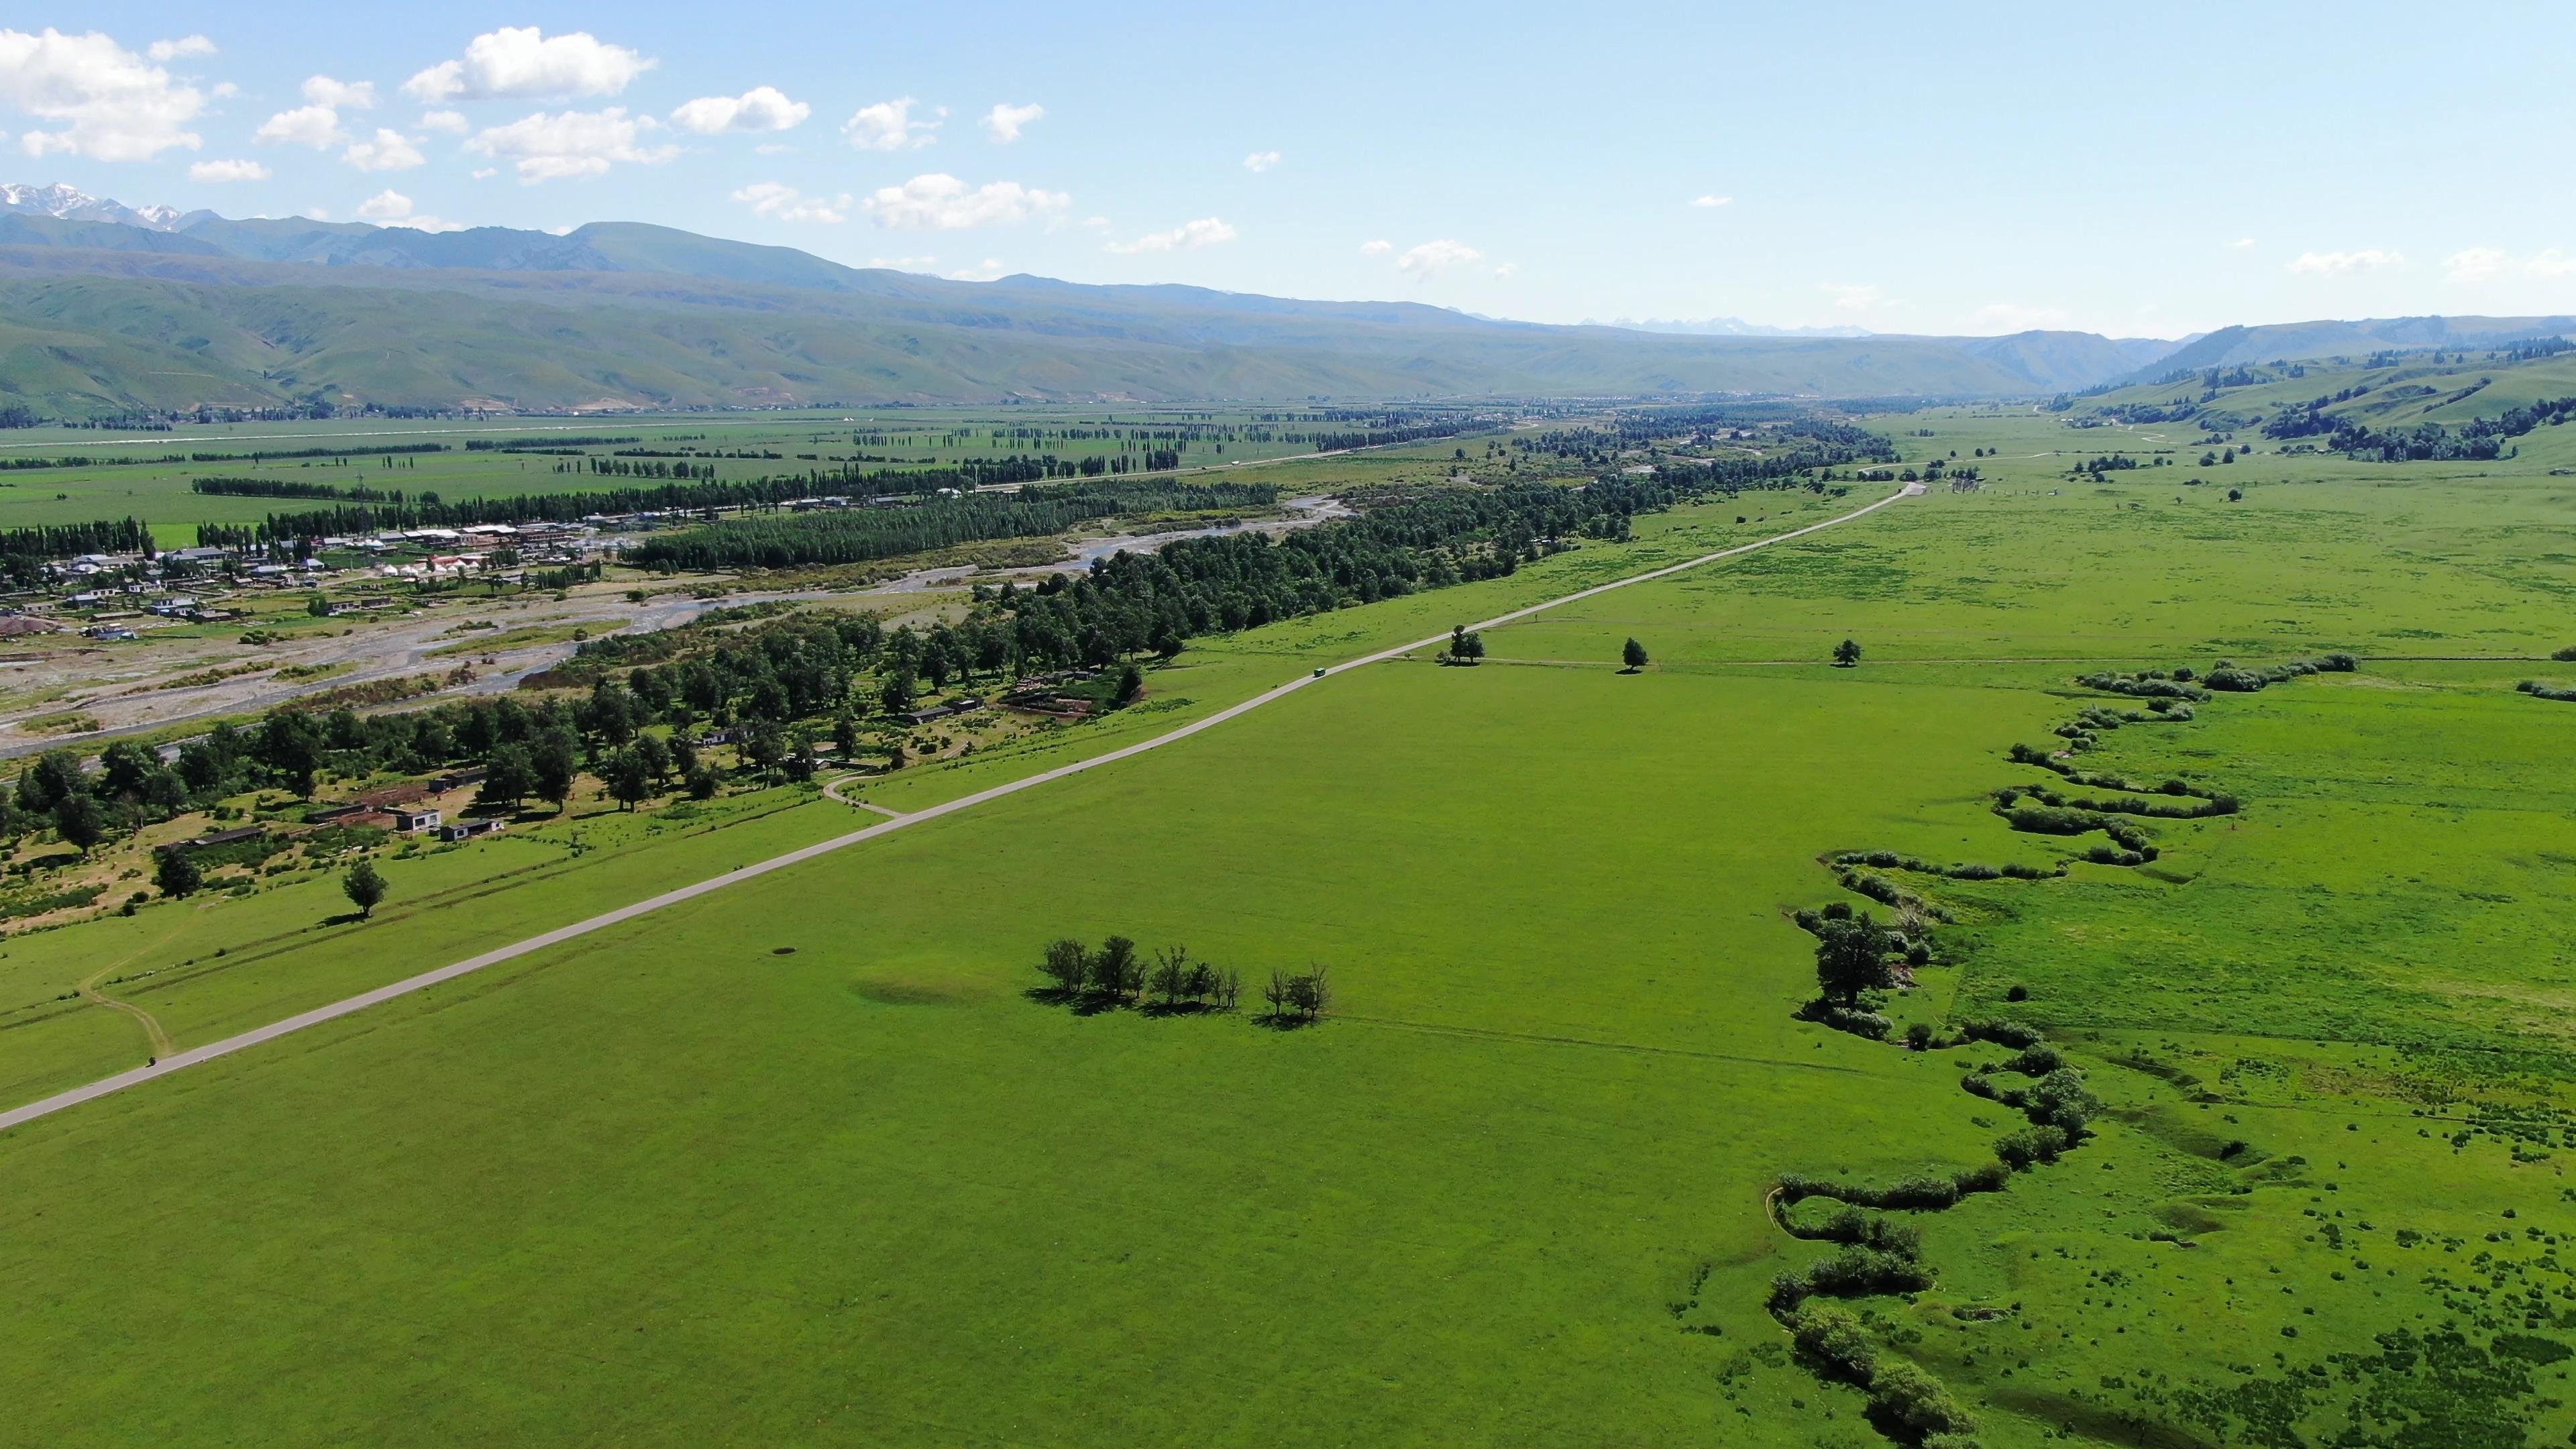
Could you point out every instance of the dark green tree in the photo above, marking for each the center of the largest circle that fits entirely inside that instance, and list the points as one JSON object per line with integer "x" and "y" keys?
{"x": 176, "y": 874}
{"x": 79, "y": 821}
{"x": 1633, "y": 654}
{"x": 1851, "y": 958}
{"x": 628, "y": 778}
{"x": 1847, "y": 653}
{"x": 364, "y": 888}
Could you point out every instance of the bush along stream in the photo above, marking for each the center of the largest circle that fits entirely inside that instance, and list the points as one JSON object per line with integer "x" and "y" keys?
{"x": 1878, "y": 1253}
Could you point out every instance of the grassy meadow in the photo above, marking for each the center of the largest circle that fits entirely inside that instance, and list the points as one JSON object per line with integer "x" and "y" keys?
{"x": 147, "y": 475}
{"x": 803, "y": 1161}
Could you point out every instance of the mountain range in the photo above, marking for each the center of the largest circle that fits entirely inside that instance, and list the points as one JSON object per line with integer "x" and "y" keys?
{"x": 107, "y": 309}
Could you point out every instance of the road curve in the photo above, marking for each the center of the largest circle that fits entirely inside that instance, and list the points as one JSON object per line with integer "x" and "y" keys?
{"x": 197, "y": 1056}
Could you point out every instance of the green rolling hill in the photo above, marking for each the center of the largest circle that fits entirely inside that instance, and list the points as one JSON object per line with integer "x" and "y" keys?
{"x": 110, "y": 309}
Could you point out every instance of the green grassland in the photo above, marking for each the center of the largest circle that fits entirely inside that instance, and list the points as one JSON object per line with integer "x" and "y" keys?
{"x": 909, "y": 439}
{"x": 802, "y": 1160}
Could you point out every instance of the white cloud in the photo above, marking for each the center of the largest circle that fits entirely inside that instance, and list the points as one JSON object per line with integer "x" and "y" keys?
{"x": 523, "y": 64}
{"x": 1507, "y": 269}
{"x": 889, "y": 126}
{"x": 183, "y": 46}
{"x": 1998, "y": 317}
{"x": 2490, "y": 264}
{"x": 389, "y": 151}
{"x": 2338, "y": 264}
{"x": 570, "y": 143}
{"x": 2477, "y": 264}
{"x": 939, "y": 202}
{"x": 1711, "y": 200}
{"x": 1376, "y": 248}
{"x": 321, "y": 90}
{"x": 903, "y": 264}
{"x": 1189, "y": 236}
{"x": 762, "y": 108}
{"x": 1260, "y": 161}
{"x": 228, "y": 171}
{"x": 786, "y": 203}
{"x": 772, "y": 148}
{"x": 1855, "y": 296}
{"x": 392, "y": 208}
{"x": 987, "y": 271}
{"x": 1434, "y": 257}
{"x": 2241, "y": 243}
{"x": 485, "y": 173}
{"x": 314, "y": 126}
{"x": 1003, "y": 122}
{"x": 452, "y": 123}
{"x": 112, "y": 105}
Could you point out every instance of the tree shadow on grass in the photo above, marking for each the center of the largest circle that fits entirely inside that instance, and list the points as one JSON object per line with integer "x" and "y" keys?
{"x": 345, "y": 918}
{"x": 1285, "y": 1020}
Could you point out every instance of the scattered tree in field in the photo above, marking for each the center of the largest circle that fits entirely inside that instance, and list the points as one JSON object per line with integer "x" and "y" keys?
{"x": 1298, "y": 998}
{"x": 1633, "y": 654}
{"x": 176, "y": 874}
{"x": 701, "y": 781}
{"x": 1465, "y": 645}
{"x": 1131, "y": 683}
{"x": 1847, "y": 653}
{"x": 1851, "y": 958}
{"x": 364, "y": 888}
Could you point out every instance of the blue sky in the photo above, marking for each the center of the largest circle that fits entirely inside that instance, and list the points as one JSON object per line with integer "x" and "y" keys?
{"x": 1906, "y": 168}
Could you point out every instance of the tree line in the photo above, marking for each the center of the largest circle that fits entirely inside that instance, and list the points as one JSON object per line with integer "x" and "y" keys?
{"x": 865, "y": 535}
{"x": 1118, "y": 974}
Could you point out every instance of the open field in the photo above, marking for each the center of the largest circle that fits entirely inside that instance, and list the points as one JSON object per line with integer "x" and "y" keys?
{"x": 803, "y": 1160}
{"x": 148, "y": 474}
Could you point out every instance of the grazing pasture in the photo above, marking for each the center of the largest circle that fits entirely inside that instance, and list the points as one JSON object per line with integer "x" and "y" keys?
{"x": 803, "y": 1160}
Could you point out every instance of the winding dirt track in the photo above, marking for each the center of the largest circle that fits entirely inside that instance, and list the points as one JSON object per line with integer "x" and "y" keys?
{"x": 196, "y": 1056}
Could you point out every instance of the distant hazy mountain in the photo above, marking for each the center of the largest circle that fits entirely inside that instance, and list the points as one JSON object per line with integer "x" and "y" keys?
{"x": 1730, "y": 327}
{"x": 106, "y": 308}
{"x": 2294, "y": 340}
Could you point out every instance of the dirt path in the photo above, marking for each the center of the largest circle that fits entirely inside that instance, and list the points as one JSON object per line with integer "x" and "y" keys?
{"x": 211, "y": 1051}
{"x": 153, "y": 1035}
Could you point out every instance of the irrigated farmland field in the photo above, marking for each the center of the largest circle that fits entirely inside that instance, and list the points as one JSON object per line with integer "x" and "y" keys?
{"x": 813, "y": 1159}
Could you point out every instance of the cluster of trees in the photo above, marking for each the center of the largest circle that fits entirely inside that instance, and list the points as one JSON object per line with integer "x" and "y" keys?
{"x": 25, "y": 551}
{"x": 2538, "y": 690}
{"x": 1118, "y": 974}
{"x": 864, "y": 535}
{"x": 2478, "y": 438}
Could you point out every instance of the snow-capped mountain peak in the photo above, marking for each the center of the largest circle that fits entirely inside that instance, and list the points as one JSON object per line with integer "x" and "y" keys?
{"x": 72, "y": 204}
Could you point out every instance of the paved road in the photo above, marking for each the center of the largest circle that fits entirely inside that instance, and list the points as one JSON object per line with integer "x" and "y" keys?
{"x": 212, "y": 1050}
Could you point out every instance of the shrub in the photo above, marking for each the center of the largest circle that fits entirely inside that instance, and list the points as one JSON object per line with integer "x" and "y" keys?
{"x": 2018, "y": 1150}
{"x": 1832, "y": 1342}
{"x": 2001, "y": 1033}
{"x": 1914, "y": 1403}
